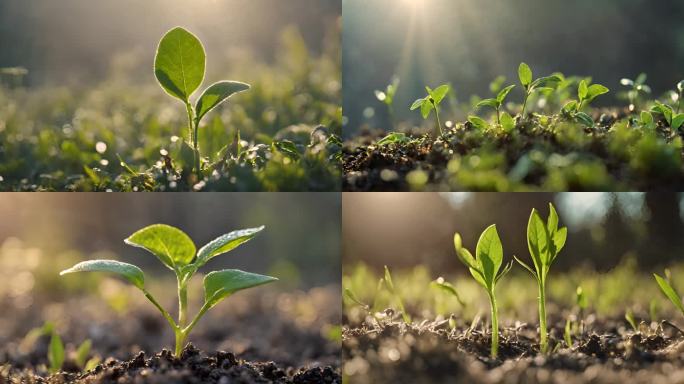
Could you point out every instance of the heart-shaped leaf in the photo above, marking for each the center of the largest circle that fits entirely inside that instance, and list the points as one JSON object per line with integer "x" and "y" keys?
{"x": 220, "y": 284}
{"x": 171, "y": 245}
{"x": 179, "y": 63}
{"x": 225, "y": 243}
{"x": 129, "y": 271}
{"x": 596, "y": 90}
{"x": 217, "y": 93}
{"x": 525, "y": 74}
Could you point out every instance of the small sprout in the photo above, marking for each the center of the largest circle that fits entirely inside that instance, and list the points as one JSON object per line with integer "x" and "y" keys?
{"x": 393, "y": 138}
{"x": 387, "y": 97}
{"x": 646, "y": 119}
{"x": 389, "y": 284}
{"x": 671, "y": 294}
{"x": 485, "y": 268}
{"x": 478, "y": 122}
{"x": 179, "y": 66}
{"x": 674, "y": 119}
{"x": 545, "y": 241}
{"x": 567, "y": 333}
{"x": 497, "y": 102}
{"x": 55, "y": 352}
{"x": 430, "y": 102}
{"x": 178, "y": 253}
{"x": 581, "y": 299}
{"x": 629, "y": 316}
{"x": 349, "y": 295}
{"x": 82, "y": 352}
{"x": 637, "y": 87}
{"x": 530, "y": 85}
{"x": 585, "y": 94}
{"x": 448, "y": 288}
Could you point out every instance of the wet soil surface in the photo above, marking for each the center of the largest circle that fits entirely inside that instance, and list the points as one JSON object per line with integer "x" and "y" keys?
{"x": 386, "y": 351}
{"x": 269, "y": 337}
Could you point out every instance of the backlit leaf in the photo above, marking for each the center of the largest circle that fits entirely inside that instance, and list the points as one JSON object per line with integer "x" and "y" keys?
{"x": 669, "y": 292}
{"x": 226, "y": 243}
{"x": 129, "y": 271}
{"x": 525, "y": 74}
{"x": 171, "y": 245}
{"x": 179, "y": 63}
{"x": 489, "y": 253}
{"x": 217, "y": 93}
{"x": 218, "y": 285}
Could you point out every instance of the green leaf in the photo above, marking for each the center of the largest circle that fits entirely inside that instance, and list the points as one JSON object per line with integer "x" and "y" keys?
{"x": 504, "y": 92}
{"x": 388, "y": 280}
{"x": 287, "y": 148}
{"x": 527, "y": 267}
{"x": 425, "y": 109}
{"x": 507, "y": 122}
{"x": 171, "y": 245}
{"x": 552, "y": 222}
{"x": 478, "y": 122}
{"x": 82, "y": 353}
{"x": 646, "y": 118}
{"x": 217, "y": 93}
{"x": 352, "y": 297}
{"x": 179, "y": 63}
{"x": 669, "y": 292}
{"x": 525, "y": 74}
{"x": 467, "y": 258}
{"x": 218, "y": 285}
{"x": 55, "y": 353}
{"x": 549, "y": 82}
{"x": 570, "y": 106}
{"x": 129, "y": 271}
{"x": 489, "y": 253}
{"x": 226, "y": 243}
{"x": 537, "y": 240}
{"x": 582, "y": 90}
{"x": 664, "y": 110}
{"x": 585, "y": 119}
{"x": 439, "y": 93}
{"x": 677, "y": 121}
{"x": 418, "y": 103}
{"x": 448, "y": 288}
{"x": 596, "y": 90}
{"x": 488, "y": 103}
{"x": 393, "y": 138}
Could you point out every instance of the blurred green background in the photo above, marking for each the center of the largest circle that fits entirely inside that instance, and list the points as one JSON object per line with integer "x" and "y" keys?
{"x": 41, "y": 234}
{"x": 408, "y": 229}
{"x": 471, "y": 42}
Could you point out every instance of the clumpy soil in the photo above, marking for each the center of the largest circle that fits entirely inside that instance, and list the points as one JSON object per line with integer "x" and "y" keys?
{"x": 519, "y": 160}
{"x": 387, "y": 351}
{"x": 265, "y": 337}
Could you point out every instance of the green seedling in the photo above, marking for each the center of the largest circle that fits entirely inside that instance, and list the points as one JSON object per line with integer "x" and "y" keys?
{"x": 636, "y": 88}
{"x": 629, "y": 316}
{"x": 389, "y": 284}
{"x": 674, "y": 119}
{"x": 387, "y": 97}
{"x": 497, "y": 102}
{"x": 177, "y": 252}
{"x": 485, "y": 268}
{"x": 394, "y": 138}
{"x": 545, "y": 241}
{"x": 431, "y": 102}
{"x": 179, "y": 67}
{"x": 55, "y": 353}
{"x": 449, "y": 288}
{"x": 531, "y": 85}
{"x": 567, "y": 333}
{"x": 669, "y": 292}
{"x": 585, "y": 94}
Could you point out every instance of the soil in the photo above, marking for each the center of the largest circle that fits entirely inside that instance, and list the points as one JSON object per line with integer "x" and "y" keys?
{"x": 266, "y": 338}
{"x": 389, "y": 351}
{"x": 371, "y": 167}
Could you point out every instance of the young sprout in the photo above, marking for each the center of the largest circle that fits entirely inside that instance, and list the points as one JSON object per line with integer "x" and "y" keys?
{"x": 179, "y": 67}
{"x": 545, "y": 241}
{"x": 497, "y": 102}
{"x": 178, "y": 253}
{"x": 389, "y": 284}
{"x": 585, "y": 94}
{"x": 387, "y": 97}
{"x": 629, "y": 316}
{"x": 669, "y": 291}
{"x": 637, "y": 87}
{"x": 485, "y": 268}
{"x": 526, "y": 80}
{"x": 674, "y": 119}
{"x": 430, "y": 102}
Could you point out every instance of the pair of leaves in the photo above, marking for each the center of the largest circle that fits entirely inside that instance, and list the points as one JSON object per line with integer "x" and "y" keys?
{"x": 586, "y": 93}
{"x": 485, "y": 267}
{"x": 387, "y": 96}
{"x": 527, "y": 80}
{"x": 393, "y": 138}
{"x": 544, "y": 241}
{"x": 497, "y": 102}
{"x": 431, "y": 101}
{"x": 179, "y": 66}
{"x": 669, "y": 291}
{"x": 675, "y": 120}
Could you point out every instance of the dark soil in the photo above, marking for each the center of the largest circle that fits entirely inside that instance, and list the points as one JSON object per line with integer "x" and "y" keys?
{"x": 387, "y": 351}
{"x": 371, "y": 167}
{"x": 254, "y": 338}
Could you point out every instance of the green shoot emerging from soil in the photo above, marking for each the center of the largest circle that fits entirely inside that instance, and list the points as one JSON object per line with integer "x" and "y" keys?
{"x": 179, "y": 67}
{"x": 485, "y": 268}
{"x": 497, "y": 102}
{"x": 177, "y": 252}
{"x": 389, "y": 284}
{"x": 585, "y": 94}
{"x": 669, "y": 291}
{"x": 530, "y": 85}
{"x": 430, "y": 102}
{"x": 545, "y": 241}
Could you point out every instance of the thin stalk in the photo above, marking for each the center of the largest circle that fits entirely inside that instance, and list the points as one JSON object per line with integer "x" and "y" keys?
{"x": 166, "y": 315}
{"x": 495, "y": 326}
{"x": 181, "y": 335}
{"x": 194, "y": 321}
{"x": 542, "y": 318}
{"x": 439, "y": 123}
{"x": 527, "y": 94}
{"x": 498, "y": 115}
{"x": 193, "y": 125}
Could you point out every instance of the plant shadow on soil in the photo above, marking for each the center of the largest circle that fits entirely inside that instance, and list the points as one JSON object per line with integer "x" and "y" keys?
{"x": 383, "y": 350}
{"x": 267, "y": 338}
